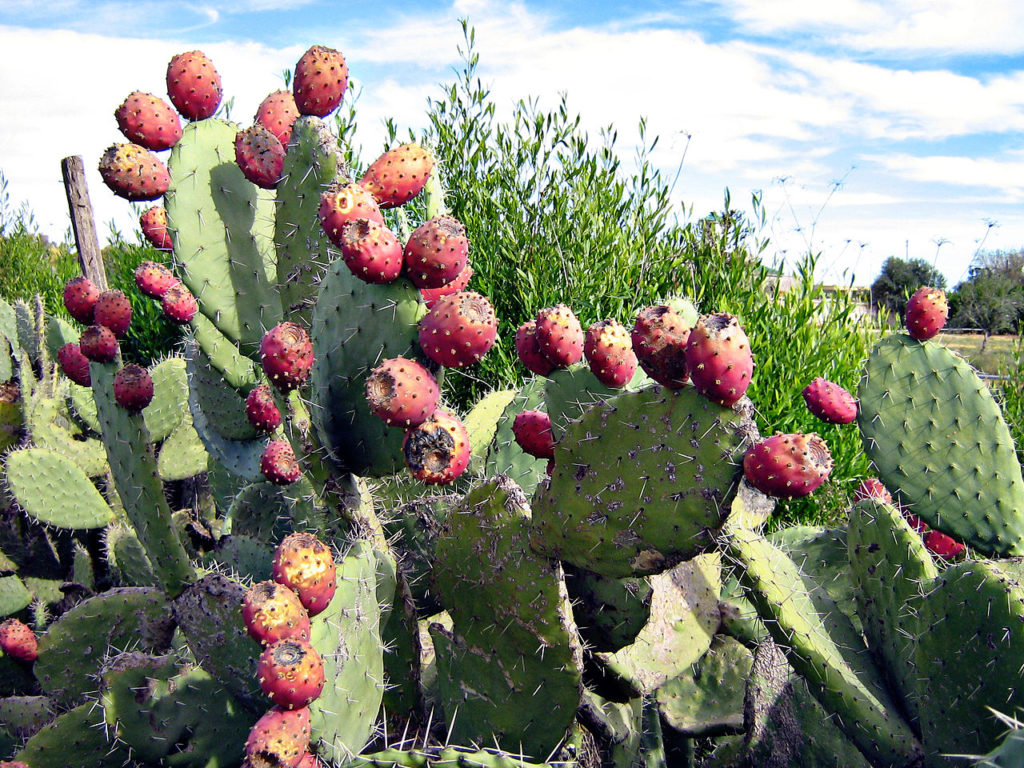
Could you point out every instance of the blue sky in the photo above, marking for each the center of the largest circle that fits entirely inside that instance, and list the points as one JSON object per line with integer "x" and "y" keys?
{"x": 870, "y": 128}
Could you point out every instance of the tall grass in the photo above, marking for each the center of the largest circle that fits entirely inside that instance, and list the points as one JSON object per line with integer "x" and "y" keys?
{"x": 1010, "y": 394}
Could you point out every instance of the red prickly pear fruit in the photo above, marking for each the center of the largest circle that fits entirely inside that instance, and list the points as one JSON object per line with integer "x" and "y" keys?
{"x": 371, "y": 251}
{"x": 74, "y": 364}
{"x": 659, "y": 340}
{"x": 437, "y": 252}
{"x": 914, "y": 521}
{"x": 154, "y": 279}
{"x": 402, "y": 392}
{"x": 397, "y": 176}
{"x": 871, "y": 488}
{"x": 273, "y": 612}
{"x": 321, "y": 77}
{"x": 278, "y": 463}
{"x": 18, "y": 641}
{"x": 559, "y": 335}
{"x": 153, "y": 223}
{"x": 830, "y": 402}
{"x": 305, "y": 565}
{"x": 134, "y": 173}
{"x": 193, "y": 85}
{"x": 98, "y": 343}
{"x": 609, "y": 352}
{"x": 437, "y": 451}
{"x": 926, "y": 314}
{"x": 278, "y": 113}
{"x": 529, "y": 350}
{"x": 291, "y": 673}
{"x": 80, "y": 296}
{"x": 309, "y": 760}
{"x": 260, "y": 155}
{"x": 788, "y": 466}
{"x": 179, "y": 305}
{"x": 342, "y": 203}
{"x": 532, "y": 430}
{"x": 148, "y": 121}
{"x": 133, "y": 388}
{"x": 278, "y": 739}
{"x": 286, "y": 354}
{"x": 261, "y": 410}
{"x": 718, "y": 358}
{"x": 459, "y": 330}
{"x": 942, "y": 545}
{"x": 460, "y": 283}
{"x": 114, "y": 311}
{"x": 14, "y": 764}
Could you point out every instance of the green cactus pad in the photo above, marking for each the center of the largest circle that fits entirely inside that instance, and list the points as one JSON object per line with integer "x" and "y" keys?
{"x": 58, "y": 333}
{"x": 608, "y": 612}
{"x": 821, "y": 555}
{"x": 83, "y": 407}
{"x": 27, "y": 336}
{"x": 504, "y": 456}
{"x": 54, "y": 490}
{"x": 238, "y": 371}
{"x": 223, "y": 404}
{"x": 569, "y": 392}
{"x": 21, "y": 717}
{"x": 707, "y": 700}
{"x": 183, "y": 454}
{"x": 270, "y": 512}
{"x": 76, "y": 738}
{"x": 51, "y": 428}
{"x": 14, "y": 595}
{"x": 481, "y": 424}
{"x": 400, "y": 634}
{"x": 938, "y": 440}
{"x": 1010, "y": 752}
{"x": 413, "y": 532}
{"x": 127, "y": 558}
{"x": 170, "y": 393}
{"x": 249, "y": 559}
{"x": 641, "y": 482}
{"x": 453, "y": 757}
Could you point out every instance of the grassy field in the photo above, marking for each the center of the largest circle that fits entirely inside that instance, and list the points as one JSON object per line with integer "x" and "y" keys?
{"x": 999, "y": 352}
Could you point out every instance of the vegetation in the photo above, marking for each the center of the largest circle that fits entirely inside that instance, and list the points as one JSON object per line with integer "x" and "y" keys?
{"x": 899, "y": 279}
{"x": 992, "y": 296}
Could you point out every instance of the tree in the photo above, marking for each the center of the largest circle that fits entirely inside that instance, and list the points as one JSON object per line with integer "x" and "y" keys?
{"x": 992, "y": 296}
{"x": 899, "y": 279}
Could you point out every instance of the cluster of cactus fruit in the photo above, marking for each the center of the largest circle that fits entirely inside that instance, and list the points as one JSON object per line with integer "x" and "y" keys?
{"x": 577, "y": 572}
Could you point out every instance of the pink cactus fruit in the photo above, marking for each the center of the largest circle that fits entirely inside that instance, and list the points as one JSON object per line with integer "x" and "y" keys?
{"x": 193, "y": 85}
{"x": 18, "y": 641}
{"x": 153, "y": 223}
{"x": 342, "y": 203}
{"x": 114, "y": 310}
{"x": 305, "y": 565}
{"x": 437, "y": 451}
{"x": 179, "y": 305}
{"x": 872, "y": 488}
{"x": 154, "y": 279}
{"x": 460, "y": 283}
{"x": 278, "y": 739}
{"x": 273, "y": 612}
{"x": 321, "y": 77}
{"x": 609, "y": 352}
{"x": 402, "y": 392}
{"x": 286, "y": 354}
{"x": 74, "y": 364}
{"x": 148, "y": 121}
{"x": 718, "y": 358}
{"x": 397, "y": 176}
{"x": 291, "y": 673}
{"x": 437, "y": 252}
{"x": 788, "y": 466}
{"x": 830, "y": 402}
{"x": 459, "y": 330}
{"x": 278, "y": 463}
{"x": 309, "y": 760}
{"x": 99, "y": 344}
{"x": 133, "y": 172}
{"x": 371, "y": 251}
{"x": 278, "y": 113}
{"x": 261, "y": 410}
{"x": 532, "y": 431}
{"x": 559, "y": 335}
{"x": 529, "y": 350}
{"x": 260, "y": 155}
{"x": 133, "y": 388}
{"x": 80, "y": 296}
{"x": 927, "y": 311}
{"x": 942, "y": 545}
{"x": 659, "y": 340}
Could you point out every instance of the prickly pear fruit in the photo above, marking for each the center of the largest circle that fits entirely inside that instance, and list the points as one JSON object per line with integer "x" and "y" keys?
{"x": 14, "y": 764}
{"x": 98, "y": 343}
{"x": 305, "y": 565}
{"x": 529, "y": 350}
{"x": 279, "y": 739}
{"x": 114, "y": 311}
{"x": 74, "y": 364}
{"x": 278, "y": 463}
{"x": 609, "y": 352}
{"x": 193, "y": 84}
{"x": 371, "y": 251}
{"x": 830, "y": 402}
{"x": 559, "y": 335}
{"x": 788, "y": 466}
{"x": 286, "y": 354}
{"x": 260, "y": 155}
{"x": 309, "y": 760}
{"x": 321, "y": 77}
{"x": 342, "y": 203}
{"x": 133, "y": 388}
{"x": 871, "y": 488}
{"x": 532, "y": 430}
{"x": 133, "y": 172}
{"x": 148, "y": 121}
{"x": 154, "y": 279}
{"x": 431, "y": 295}
{"x": 402, "y": 392}
{"x": 261, "y": 410}
{"x": 926, "y": 313}
{"x": 659, "y": 340}
{"x": 153, "y": 223}
{"x": 278, "y": 113}
{"x": 291, "y": 673}
{"x": 397, "y": 176}
{"x": 18, "y": 641}
{"x": 272, "y": 612}
{"x": 459, "y": 330}
{"x": 718, "y": 358}
{"x": 437, "y": 451}
{"x": 80, "y": 296}
{"x": 437, "y": 252}
{"x": 179, "y": 304}
{"x": 942, "y": 545}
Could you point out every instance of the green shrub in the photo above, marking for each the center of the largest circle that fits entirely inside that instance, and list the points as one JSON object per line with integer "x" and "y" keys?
{"x": 1010, "y": 393}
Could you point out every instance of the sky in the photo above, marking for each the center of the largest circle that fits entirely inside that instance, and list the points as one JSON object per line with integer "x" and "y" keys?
{"x": 869, "y": 128}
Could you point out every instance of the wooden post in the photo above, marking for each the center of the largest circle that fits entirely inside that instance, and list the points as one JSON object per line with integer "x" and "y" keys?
{"x": 82, "y": 221}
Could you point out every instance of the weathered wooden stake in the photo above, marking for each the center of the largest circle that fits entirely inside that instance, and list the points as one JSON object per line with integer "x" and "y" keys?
{"x": 82, "y": 222}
